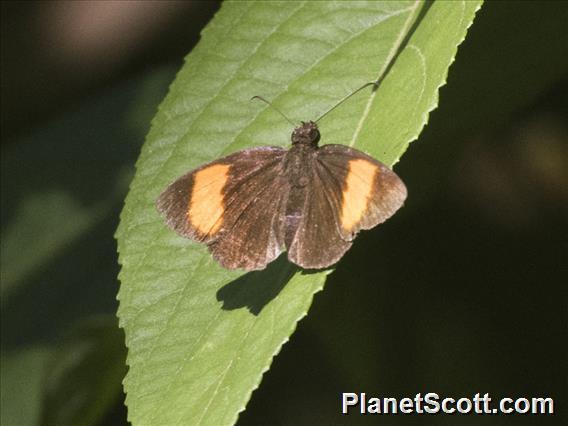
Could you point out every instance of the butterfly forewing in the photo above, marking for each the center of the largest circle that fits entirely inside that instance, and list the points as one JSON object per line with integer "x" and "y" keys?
{"x": 370, "y": 192}
{"x": 206, "y": 202}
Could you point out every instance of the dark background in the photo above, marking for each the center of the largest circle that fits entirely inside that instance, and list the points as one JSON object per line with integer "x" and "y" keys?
{"x": 470, "y": 296}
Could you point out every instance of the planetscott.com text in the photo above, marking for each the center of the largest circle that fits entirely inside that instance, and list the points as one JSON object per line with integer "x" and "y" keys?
{"x": 433, "y": 403}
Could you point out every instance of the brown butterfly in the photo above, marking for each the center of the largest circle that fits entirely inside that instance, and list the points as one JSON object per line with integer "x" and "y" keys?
{"x": 310, "y": 201}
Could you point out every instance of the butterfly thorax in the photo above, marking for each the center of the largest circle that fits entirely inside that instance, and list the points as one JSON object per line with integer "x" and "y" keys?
{"x": 299, "y": 157}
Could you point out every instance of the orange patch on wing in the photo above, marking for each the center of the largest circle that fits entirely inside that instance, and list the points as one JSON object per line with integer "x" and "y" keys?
{"x": 206, "y": 201}
{"x": 358, "y": 188}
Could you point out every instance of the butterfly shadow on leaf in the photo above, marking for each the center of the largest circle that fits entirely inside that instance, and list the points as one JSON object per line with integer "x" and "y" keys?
{"x": 256, "y": 289}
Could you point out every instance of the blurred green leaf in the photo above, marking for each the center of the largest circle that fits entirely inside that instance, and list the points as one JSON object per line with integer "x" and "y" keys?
{"x": 22, "y": 378}
{"x": 84, "y": 376}
{"x": 62, "y": 188}
{"x": 33, "y": 240}
{"x": 200, "y": 337}
{"x": 65, "y": 178}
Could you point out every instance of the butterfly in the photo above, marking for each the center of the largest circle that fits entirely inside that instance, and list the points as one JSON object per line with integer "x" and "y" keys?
{"x": 309, "y": 200}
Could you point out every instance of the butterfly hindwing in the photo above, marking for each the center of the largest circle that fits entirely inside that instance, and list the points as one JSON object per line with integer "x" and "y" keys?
{"x": 256, "y": 234}
{"x": 317, "y": 242}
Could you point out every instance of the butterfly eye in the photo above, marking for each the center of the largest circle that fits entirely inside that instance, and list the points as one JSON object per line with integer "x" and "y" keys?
{"x": 314, "y": 135}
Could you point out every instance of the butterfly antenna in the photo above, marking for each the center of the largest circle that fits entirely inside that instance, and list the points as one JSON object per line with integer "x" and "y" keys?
{"x": 371, "y": 83}
{"x": 260, "y": 98}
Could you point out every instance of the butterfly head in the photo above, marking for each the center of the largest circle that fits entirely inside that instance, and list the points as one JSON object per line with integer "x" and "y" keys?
{"x": 306, "y": 134}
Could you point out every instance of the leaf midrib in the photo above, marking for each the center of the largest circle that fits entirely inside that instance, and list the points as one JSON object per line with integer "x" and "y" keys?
{"x": 380, "y": 76}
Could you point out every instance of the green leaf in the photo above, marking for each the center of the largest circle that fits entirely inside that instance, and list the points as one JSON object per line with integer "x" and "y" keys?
{"x": 200, "y": 337}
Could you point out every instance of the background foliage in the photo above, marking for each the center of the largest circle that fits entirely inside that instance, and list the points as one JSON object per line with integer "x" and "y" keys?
{"x": 481, "y": 308}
